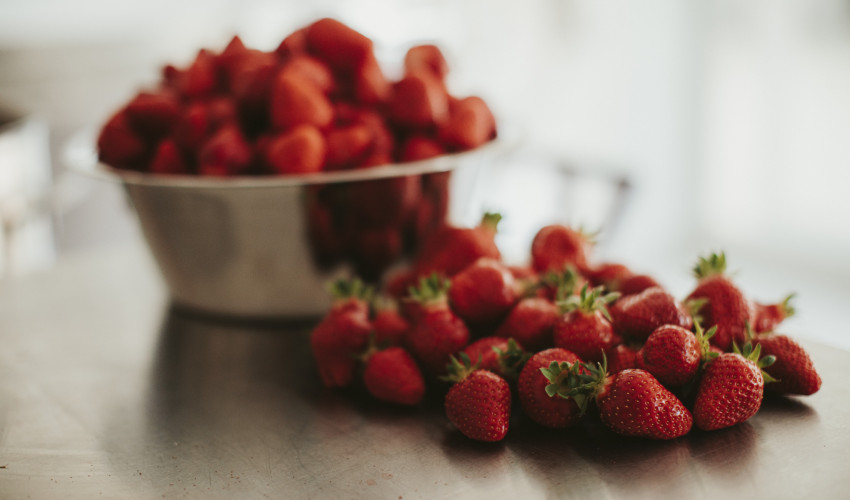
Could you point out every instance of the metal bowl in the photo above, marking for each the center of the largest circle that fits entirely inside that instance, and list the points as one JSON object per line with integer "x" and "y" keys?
{"x": 241, "y": 246}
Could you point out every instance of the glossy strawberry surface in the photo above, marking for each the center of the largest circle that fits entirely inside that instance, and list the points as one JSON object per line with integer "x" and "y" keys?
{"x": 730, "y": 391}
{"x": 480, "y": 406}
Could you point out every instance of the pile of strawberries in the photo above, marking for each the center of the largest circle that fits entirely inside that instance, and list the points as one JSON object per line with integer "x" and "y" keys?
{"x": 319, "y": 102}
{"x": 561, "y": 335}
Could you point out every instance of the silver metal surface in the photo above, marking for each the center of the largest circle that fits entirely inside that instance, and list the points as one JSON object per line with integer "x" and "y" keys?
{"x": 107, "y": 393}
{"x": 239, "y": 246}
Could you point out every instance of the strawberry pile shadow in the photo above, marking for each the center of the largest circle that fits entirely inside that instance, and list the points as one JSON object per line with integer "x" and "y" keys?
{"x": 561, "y": 340}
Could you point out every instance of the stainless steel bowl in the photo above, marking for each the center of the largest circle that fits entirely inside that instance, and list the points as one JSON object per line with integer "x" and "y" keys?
{"x": 239, "y": 246}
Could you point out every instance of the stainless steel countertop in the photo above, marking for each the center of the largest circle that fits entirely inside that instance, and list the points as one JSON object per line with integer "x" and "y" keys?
{"x": 106, "y": 393}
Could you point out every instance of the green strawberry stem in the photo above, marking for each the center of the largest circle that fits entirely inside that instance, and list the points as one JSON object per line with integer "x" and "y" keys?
{"x": 512, "y": 359}
{"x": 342, "y": 289}
{"x": 786, "y": 307}
{"x": 711, "y": 265}
{"x": 564, "y": 282}
{"x": 753, "y": 354}
{"x": 581, "y": 382}
{"x": 433, "y": 288}
{"x": 490, "y": 221}
{"x": 704, "y": 338}
{"x": 693, "y": 307}
{"x": 457, "y": 370}
{"x": 596, "y": 300}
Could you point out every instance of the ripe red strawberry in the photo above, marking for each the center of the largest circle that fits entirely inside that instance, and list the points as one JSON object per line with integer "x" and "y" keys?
{"x": 311, "y": 70}
{"x": 392, "y": 375}
{"x": 343, "y": 334}
{"x": 671, "y": 354}
{"x": 168, "y": 159}
{"x": 153, "y": 115}
{"x": 731, "y": 388}
{"x": 530, "y": 322}
{"x": 427, "y": 58}
{"x": 295, "y": 101}
{"x": 337, "y": 44}
{"x": 479, "y": 402}
{"x": 485, "y": 352}
{"x": 370, "y": 85}
{"x": 418, "y": 147}
{"x": 621, "y": 357}
{"x": 250, "y": 76}
{"x": 793, "y": 370}
{"x": 120, "y": 146}
{"x": 636, "y": 284}
{"x": 450, "y": 249}
{"x": 299, "y": 150}
{"x": 469, "y": 125}
{"x": 766, "y": 317}
{"x": 608, "y": 274}
{"x": 638, "y": 315}
{"x": 419, "y": 100}
{"x": 557, "y": 246}
{"x": 347, "y": 146}
{"x": 725, "y": 306}
{"x": 436, "y": 332}
{"x": 631, "y": 402}
{"x": 483, "y": 292}
{"x": 388, "y": 323}
{"x": 226, "y": 149}
{"x": 585, "y": 327}
{"x": 541, "y": 407}
{"x": 200, "y": 79}
{"x": 383, "y": 202}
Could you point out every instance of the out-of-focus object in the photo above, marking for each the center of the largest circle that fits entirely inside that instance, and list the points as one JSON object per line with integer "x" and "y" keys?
{"x": 246, "y": 246}
{"x": 26, "y": 240}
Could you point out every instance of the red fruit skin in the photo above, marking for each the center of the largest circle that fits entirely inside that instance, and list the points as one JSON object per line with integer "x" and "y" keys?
{"x": 482, "y": 351}
{"x": 671, "y": 354}
{"x": 383, "y": 202}
{"x": 726, "y": 307}
{"x": 119, "y": 146}
{"x": 766, "y": 317}
{"x": 636, "y": 284}
{"x": 483, "y": 292}
{"x": 338, "y": 339}
{"x": 480, "y": 406}
{"x": 621, "y": 357}
{"x": 470, "y": 124}
{"x": 530, "y": 323}
{"x": 168, "y": 159}
{"x": 200, "y": 79}
{"x": 730, "y": 391}
{"x": 557, "y": 246}
{"x": 587, "y": 335}
{"x": 226, "y": 149}
{"x": 371, "y": 87}
{"x": 553, "y": 412}
{"x": 390, "y": 327}
{"x": 392, "y": 375}
{"x": 373, "y": 250}
{"x": 300, "y": 150}
{"x": 347, "y": 146}
{"x": 418, "y": 147}
{"x": 451, "y": 249}
{"x": 419, "y": 100}
{"x": 337, "y": 44}
{"x": 192, "y": 127}
{"x": 435, "y": 334}
{"x": 153, "y": 115}
{"x": 608, "y": 274}
{"x": 296, "y": 101}
{"x": 311, "y": 70}
{"x": 638, "y": 315}
{"x": 426, "y": 58}
{"x": 794, "y": 370}
{"x": 634, "y": 403}
{"x": 295, "y": 43}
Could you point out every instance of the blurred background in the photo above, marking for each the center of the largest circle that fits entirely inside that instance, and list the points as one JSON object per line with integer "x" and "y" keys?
{"x": 730, "y": 119}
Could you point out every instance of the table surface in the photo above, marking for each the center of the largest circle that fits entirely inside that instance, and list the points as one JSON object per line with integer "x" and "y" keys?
{"x": 106, "y": 392}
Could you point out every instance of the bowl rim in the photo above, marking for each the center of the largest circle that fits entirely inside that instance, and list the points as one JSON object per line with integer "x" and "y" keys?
{"x": 80, "y": 156}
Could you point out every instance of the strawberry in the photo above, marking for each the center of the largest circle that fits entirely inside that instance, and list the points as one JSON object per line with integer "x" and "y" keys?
{"x": 469, "y": 125}
{"x": 671, "y": 354}
{"x": 766, "y": 317}
{"x": 343, "y": 334}
{"x": 168, "y": 159}
{"x": 311, "y": 70}
{"x": 621, "y": 357}
{"x": 530, "y": 322}
{"x": 250, "y": 78}
{"x": 326, "y": 244}
{"x": 347, "y": 146}
{"x": 636, "y": 284}
{"x": 119, "y": 145}
{"x": 557, "y": 286}
{"x": 725, "y": 306}
{"x": 483, "y": 292}
{"x": 383, "y": 202}
{"x": 419, "y": 100}
{"x": 451, "y": 249}
{"x": 388, "y": 323}
{"x": 557, "y": 246}
{"x": 536, "y": 402}
{"x": 299, "y": 150}
{"x": 296, "y": 101}
{"x": 793, "y": 370}
{"x": 418, "y": 147}
{"x": 504, "y": 357}
{"x": 436, "y": 332}
{"x": 153, "y": 115}
{"x": 200, "y": 79}
{"x": 228, "y": 150}
{"x": 479, "y": 402}
{"x": 337, "y": 44}
{"x": 370, "y": 85}
{"x": 193, "y": 126}
{"x": 638, "y": 315}
{"x": 731, "y": 388}
{"x": 426, "y": 58}
{"x": 585, "y": 327}
{"x": 608, "y": 274}
{"x": 295, "y": 43}
{"x": 631, "y": 402}
{"x": 392, "y": 375}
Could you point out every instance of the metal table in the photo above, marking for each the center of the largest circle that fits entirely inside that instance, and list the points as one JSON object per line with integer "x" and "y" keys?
{"x": 107, "y": 393}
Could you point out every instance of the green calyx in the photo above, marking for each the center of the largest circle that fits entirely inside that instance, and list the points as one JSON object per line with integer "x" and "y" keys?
{"x": 694, "y": 306}
{"x": 786, "y": 307}
{"x": 711, "y": 265}
{"x": 704, "y": 338}
{"x": 512, "y": 359}
{"x": 563, "y": 282}
{"x": 578, "y": 381}
{"x": 433, "y": 288}
{"x": 754, "y": 354}
{"x": 589, "y": 301}
{"x": 589, "y": 237}
{"x": 491, "y": 220}
{"x": 459, "y": 369}
{"x": 355, "y": 288}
